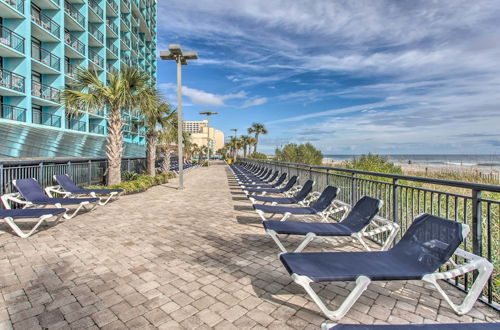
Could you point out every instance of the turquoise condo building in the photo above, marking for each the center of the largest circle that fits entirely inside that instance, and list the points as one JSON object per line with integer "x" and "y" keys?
{"x": 41, "y": 44}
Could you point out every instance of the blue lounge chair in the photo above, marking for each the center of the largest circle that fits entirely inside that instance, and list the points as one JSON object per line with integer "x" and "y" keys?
{"x": 300, "y": 198}
{"x": 268, "y": 177}
{"x": 274, "y": 190}
{"x": 426, "y": 326}
{"x": 42, "y": 215}
{"x": 271, "y": 184}
{"x": 31, "y": 195}
{"x": 68, "y": 188}
{"x": 352, "y": 225}
{"x": 323, "y": 207}
{"x": 428, "y": 244}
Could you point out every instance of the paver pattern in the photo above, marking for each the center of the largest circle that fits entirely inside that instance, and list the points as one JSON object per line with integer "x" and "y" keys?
{"x": 191, "y": 259}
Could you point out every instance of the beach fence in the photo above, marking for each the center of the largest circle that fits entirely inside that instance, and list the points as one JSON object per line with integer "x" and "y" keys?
{"x": 405, "y": 197}
{"x": 84, "y": 171}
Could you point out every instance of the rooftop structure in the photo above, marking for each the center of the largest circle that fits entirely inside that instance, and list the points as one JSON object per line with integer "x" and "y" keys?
{"x": 198, "y": 133}
{"x": 42, "y": 43}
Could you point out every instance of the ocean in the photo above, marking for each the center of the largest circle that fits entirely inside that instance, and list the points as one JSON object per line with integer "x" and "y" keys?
{"x": 483, "y": 161}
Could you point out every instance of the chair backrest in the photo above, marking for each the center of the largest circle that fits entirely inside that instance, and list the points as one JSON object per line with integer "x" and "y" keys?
{"x": 362, "y": 213}
{"x": 281, "y": 179}
{"x": 273, "y": 177}
{"x": 66, "y": 183}
{"x": 430, "y": 241}
{"x": 290, "y": 183}
{"x": 30, "y": 189}
{"x": 325, "y": 199}
{"x": 306, "y": 189}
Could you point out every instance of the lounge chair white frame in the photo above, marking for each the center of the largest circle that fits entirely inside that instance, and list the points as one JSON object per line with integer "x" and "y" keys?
{"x": 377, "y": 226}
{"x": 473, "y": 262}
{"x": 13, "y": 225}
{"x": 18, "y": 199}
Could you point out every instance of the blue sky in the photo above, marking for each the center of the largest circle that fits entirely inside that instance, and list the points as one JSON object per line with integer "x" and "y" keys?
{"x": 348, "y": 76}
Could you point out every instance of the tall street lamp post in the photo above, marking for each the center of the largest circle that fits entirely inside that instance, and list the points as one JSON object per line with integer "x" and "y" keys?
{"x": 208, "y": 114}
{"x": 235, "y": 151}
{"x": 176, "y": 54}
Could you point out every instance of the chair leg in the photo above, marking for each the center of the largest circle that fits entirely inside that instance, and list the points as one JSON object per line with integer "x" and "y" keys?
{"x": 261, "y": 215}
{"x": 285, "y": 216}
{"x": 10, "y": 221}
{"x": 362, "y": 283}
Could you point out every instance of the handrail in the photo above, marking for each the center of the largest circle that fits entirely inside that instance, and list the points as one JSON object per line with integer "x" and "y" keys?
{"x": 46, "y": 119}
{"x": 75, "y": 124}
{"x": 11, "y": 112}
{"x": 95, "y": 7}
{"x": 112, "y": 25}
{"x": 73, "y": 12}
{"x": 17, "y": 4}
{"x": 96, "y": 128}
{"x": 45, "y": 92}
{"x": 45, "y": 21}
{"x": 94, "y": 30}
{"x": 46, "y": 57}
{"x": 11, "y": 80}
{"x": 70, "y": 69}
{"x": 11, "y": 39}
{"x": 72, "y": 41}
{"x": 112, "y": 47}
{"x": 96, "y": 58}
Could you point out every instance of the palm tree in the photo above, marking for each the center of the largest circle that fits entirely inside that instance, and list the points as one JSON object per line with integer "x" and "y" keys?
{"x": 127, "y": 89}
{"x": 167, "y": 139}
{"x": 247, "y": 142}
{"x": 235, "y": 144}
{"x": 257, "y": 129}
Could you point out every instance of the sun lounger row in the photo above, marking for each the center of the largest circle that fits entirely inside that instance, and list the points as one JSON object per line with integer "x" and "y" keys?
{"x": 32, "y": 201}
{"x": 427, "y": 251}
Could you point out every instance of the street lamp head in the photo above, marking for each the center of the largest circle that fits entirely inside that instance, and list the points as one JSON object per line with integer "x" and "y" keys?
{"x": 175, "y": 53}
{"x": 208, "y": 113}
{"x": 167, "y": 55}
{"x": 175, "y": 49}
{"x": 190, "y": 55}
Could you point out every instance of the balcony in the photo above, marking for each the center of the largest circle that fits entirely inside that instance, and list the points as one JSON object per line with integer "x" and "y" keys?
{"x": 44, "y": 28}
{"x": 112, "y": 8}
{"x": 70, "y": 70}
{"x": 135, "y": 20}
{"x": 48, "y": 94}
{"x": 110, "y": 68}
{"x": 47, "y": 119}
{"x": 96, "y": 14}
{"x": 96, "y": 60}
{"x": 74, "y": 47}
{"x": 111, "y": 28}
{"x": 97, "y": 37}
{"x": 11, "y": 84}
{"x": 12, "y": 8}
{"x": 73, "y": 20}
{"x": 125, "y": 22}
{"x": 125, "y": 6}
{"x": 112, "y": 50}
{"x": 11, "y": 43}
{"x": 47, "y": 4}
{"x": 11, "y": 112}
{"x": 76, "y": 125}
{"x": 45, "y": 61}
{"x": 96, "y": 128}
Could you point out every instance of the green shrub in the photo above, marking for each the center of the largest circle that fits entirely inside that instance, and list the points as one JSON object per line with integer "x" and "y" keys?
{"x": 257, "y": 155}
{"x": 129, "y": 176}
{"x": 141, "y": 182}
{"x": 299, "y": 153}
{"x": 373, "y": 163}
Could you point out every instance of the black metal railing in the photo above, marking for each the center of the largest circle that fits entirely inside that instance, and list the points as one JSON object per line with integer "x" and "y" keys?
{"x": 94, "y": 30}
{"x": 476, "y": 205}
{"x": 11, "y": 80}
{"x": 112, "y": 25}
{"x": 70, "y": 69}
{"x": 111, "y": 46}
{"x": 11, "y": 112}
{"x": 45, "y": 92}
{"x": 95, "y": 7}
{"x": 73, "y": 12}
{"x": 96, "y": 128}
{"x": 72, "y": 41}
{"x": 125, "y": 19}
{"x": 11, "y": 39}
{"x": 113, "y": 5}
{"x": 46, "y": 57}
{"x": 75, "y": 124}
{"x": 47, "y": 119}
{"x": 96, "y": 58}
{"x": 17, "y": 4}
{"x": 45, "y": 22}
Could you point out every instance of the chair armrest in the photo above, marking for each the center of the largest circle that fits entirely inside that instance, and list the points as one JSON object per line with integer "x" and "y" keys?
{"x": 57, "y": 190}
{"x": 14, "y": 198}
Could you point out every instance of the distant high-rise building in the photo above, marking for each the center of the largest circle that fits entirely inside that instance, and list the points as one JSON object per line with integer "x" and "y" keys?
{"x": 41, "y": 44}
{"x": 198, "y": 132}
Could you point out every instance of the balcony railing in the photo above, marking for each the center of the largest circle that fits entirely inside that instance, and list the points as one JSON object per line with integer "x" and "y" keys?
{"x": 11, "y": 80}
{"x": 112, "y": 25}
{"x": 74, "y": 13}
{"x": 113, "y": 5}
{"x": 125, "y": 19}
{"x": 111, "y": 68}
{"x": 17, "y": 4}
{"x": 125, "y": 38}
{"x": 72, "y": 41}
{"x": 11, "y": 112}
{"x": 76, "y": 125}
{"x": 95, "y": 7}
{"x": 94, "y": 30}
{"x": 112, "y": 47}
{"x": 44, "y": 91}
{"x": 11, "y": 39}
{"x": 46, "y": 22}
{"x": 46, "y": 119}
{"x": 70, "y": 69}
{"x": 46, "y": 57}
{"x": 96, "y": 128}
{"x": 96, "y": 58}
{"x": 135, "y": 21}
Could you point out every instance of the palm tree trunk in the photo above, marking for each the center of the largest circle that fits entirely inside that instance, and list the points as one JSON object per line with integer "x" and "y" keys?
{"x": 165, "y": 166}
{"x": 114, "y": 147}
{"x": 245, "y": 152}
{"x": 256, "y": 142}
{"x": 151, "y": 154}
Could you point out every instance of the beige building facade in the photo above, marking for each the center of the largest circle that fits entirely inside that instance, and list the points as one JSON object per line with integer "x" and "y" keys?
{"x": 198, "y": 133}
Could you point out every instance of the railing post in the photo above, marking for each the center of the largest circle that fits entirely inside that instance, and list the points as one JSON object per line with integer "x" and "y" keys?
{"x": 327, "y": 177}
{"x": 128, "y": 165}
{"x": 40, "y": 173}
{"x": 70, "y": 172}
{"x": 1, "y": 180}
{"x": 395, "y": 200}
{"x": 354, "y": 188}
{"x": 477, "y": 229}
{"x": 89, "y": 172}
{"x": 310, "y": 173}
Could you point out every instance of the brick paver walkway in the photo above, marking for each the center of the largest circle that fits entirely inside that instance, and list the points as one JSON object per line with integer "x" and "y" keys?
{"x": 192, "y": 259}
